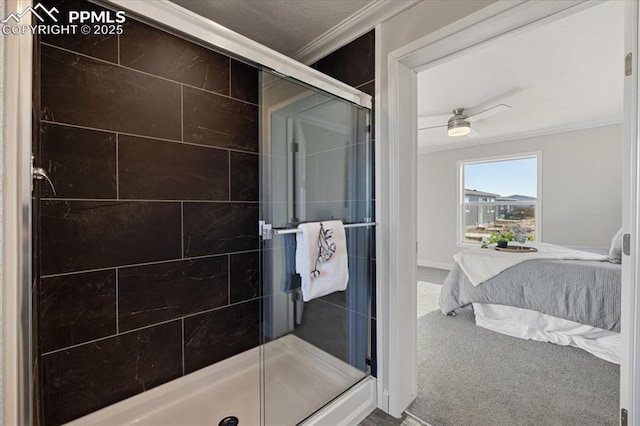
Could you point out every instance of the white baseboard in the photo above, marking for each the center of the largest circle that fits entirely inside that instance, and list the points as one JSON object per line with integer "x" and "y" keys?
{"x": 438, "y": 265}
{"x": 350, "y": 409}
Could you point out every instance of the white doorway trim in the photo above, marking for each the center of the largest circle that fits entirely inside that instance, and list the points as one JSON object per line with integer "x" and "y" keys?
{"x": 501, "y": 19}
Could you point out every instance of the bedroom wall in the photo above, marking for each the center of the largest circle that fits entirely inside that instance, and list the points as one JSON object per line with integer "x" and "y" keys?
{"x": 581, "y": 190}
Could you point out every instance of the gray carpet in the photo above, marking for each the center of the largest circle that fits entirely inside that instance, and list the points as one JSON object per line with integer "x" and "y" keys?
{"x": 428, "y": 296}
{"x": 431, "y": 275}
{"x": 471, "y": 376}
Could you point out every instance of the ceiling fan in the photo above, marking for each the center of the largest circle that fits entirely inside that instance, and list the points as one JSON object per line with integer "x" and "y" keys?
{"x": 460, "y": 123}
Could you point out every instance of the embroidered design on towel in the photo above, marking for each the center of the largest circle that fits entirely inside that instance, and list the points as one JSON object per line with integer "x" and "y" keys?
{"x": 326, "y": 248}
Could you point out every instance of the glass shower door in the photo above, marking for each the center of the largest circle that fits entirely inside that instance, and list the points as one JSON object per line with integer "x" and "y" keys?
{"x": 316, "y": 166}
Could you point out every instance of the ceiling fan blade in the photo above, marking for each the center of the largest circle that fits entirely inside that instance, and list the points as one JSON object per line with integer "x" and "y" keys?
{"x": 488, "y": 112}
{"x": 432, "y": 127}
{"x": 473, "y": 133}
{"x": 427, "y": 121}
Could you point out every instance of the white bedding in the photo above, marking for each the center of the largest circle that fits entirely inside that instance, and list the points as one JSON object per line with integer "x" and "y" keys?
{"x": 482, "y": 264}
{"x": 532, "y": 325}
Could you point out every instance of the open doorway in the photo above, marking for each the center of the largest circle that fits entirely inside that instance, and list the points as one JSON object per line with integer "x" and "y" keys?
{"x": 539, "y": 161}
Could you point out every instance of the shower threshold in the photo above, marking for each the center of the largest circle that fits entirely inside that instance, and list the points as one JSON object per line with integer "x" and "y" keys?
{"x": 297, "y": 378}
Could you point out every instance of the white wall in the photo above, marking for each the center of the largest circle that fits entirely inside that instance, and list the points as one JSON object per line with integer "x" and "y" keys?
{"x": 581, "y": 189}
{"x": 406, "y": 27}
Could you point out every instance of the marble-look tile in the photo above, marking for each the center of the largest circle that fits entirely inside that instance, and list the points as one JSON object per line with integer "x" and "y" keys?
{"x": 86, "y": 378}
{"x": 217, "y": 335}
{"x": 339, "y": 298}
{"x": 81, "y": 163}
{"x": 86, "y": 92}
{"x": 99, "y": 46}
{"x": 160, "y": 292}
{"x": 244, "y": 276}
{"x": 245, "y": 181}
{"x": 81, "y": 235}
{"x": 159, "y": 53}
{"x": 214, "y": 228}
{"x": 151, "y": 169}
{"x": 76, "y": 308}
{"x": 214, "y": 120}
{"x": 360, "y": 241}
{"x": 244, "y": 82}
{"x": 354, "y": 63}
{"x": 326, "y": 326}
{"x": 369, "y": 88}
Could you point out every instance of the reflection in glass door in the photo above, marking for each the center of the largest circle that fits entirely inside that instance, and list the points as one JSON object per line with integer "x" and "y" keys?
{"x": 316, "y": 166}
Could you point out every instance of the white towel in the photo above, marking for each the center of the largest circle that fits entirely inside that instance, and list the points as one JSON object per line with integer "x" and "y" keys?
{"x": 334, "y": 273}
{"x": 481, "y": 264}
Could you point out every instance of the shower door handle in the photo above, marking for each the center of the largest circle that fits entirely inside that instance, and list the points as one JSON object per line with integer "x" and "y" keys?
{"x": 41, "y": 174}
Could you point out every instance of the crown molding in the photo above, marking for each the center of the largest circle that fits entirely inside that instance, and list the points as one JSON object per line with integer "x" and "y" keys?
{"x": 524, "y": 135}
{"x": 351, "y": 28}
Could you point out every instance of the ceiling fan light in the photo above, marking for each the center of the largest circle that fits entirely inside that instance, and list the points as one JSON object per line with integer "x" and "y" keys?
{"x": 461, "y": 128}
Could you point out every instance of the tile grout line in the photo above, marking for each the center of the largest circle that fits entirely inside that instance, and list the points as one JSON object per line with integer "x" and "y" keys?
{"x": 117, "y": 167}
{"x": 117, "y": 301}
{"x": 182, "y": 113}
{"x": 135, "y": 135}
{"x": 365, "y": 83}
{"x": 155, "y": 262}
{"x": 229, "y": 280}
{"x": 142, "y": 200}
{"x": 135, "y": 330}
{"x": 147, "y": 73}
{"x": 183, "y": 343}
{"x": 229, "y": 154}
{"x": 110, "y": 336}
{"x": 341, "y": 307}
{"x": 182, "y": 227}
{"x": 196, "y": 201}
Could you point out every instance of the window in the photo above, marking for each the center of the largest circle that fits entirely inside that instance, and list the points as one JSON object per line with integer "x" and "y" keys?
{"x": 497, "y": 195}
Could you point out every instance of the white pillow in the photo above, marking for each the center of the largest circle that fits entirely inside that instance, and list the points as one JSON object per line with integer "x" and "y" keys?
{"x": 615, "y": 252}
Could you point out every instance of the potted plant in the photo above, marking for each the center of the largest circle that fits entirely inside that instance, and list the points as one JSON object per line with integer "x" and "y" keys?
{"x": 516, "y": 233}
{"x": 502, "y": 240}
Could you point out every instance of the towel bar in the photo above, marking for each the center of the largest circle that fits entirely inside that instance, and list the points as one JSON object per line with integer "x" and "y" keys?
{"x": 266, "y": 231}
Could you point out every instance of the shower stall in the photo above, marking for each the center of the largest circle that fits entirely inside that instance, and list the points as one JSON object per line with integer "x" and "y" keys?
{"x": 172, "y": 164}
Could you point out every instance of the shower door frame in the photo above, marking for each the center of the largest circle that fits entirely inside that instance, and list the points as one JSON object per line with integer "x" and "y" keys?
{"x": 17, "y": 395}
{"x": 16, "y": 232}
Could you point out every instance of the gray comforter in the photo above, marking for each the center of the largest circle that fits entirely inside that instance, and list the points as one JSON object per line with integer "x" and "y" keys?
{"x": 586, "y": 292}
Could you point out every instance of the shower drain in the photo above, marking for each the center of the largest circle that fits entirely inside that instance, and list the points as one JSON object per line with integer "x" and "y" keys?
{"x": 229, "y": 421}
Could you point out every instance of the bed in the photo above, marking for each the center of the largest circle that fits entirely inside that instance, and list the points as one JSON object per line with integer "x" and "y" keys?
{"x": 572, "y": 302}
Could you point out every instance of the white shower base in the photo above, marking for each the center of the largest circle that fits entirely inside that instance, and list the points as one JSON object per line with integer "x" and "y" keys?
{"x": 298, "y": 378}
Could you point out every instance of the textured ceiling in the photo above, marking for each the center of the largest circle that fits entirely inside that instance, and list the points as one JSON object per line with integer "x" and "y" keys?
{"x": 283, "y": 25}
{"x": 563, "y": 75}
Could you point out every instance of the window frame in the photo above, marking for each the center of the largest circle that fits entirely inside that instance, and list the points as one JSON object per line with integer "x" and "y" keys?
{"x": 460, "y": 199}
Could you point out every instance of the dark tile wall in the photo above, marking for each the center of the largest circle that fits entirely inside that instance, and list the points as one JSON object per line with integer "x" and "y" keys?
{"x": 149, "y": 253}
{"x": 353, "y": 64}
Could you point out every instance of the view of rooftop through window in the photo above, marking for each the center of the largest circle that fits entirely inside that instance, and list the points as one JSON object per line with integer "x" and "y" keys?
{"x": 498, "y": 196}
